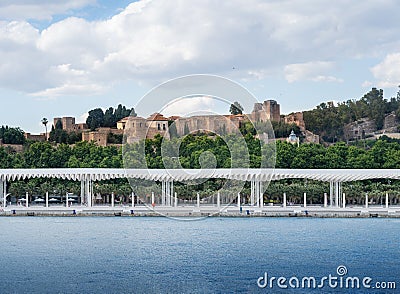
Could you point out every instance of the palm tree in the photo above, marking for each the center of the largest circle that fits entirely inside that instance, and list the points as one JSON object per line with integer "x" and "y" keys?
{"x": 44, "y": 122}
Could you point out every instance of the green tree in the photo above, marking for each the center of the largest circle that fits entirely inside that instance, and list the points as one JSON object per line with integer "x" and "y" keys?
{"x": 109, "y": 119}
{"x": 95, "y": 119}
{"x": 236, "y": 108}
{"x": 12, "y": 135}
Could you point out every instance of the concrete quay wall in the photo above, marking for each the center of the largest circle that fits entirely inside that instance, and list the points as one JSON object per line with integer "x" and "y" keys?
{"x": 189, "y": 211}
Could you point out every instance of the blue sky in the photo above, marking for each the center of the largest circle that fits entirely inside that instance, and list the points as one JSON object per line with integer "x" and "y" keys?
{"x": 63, "y": 58}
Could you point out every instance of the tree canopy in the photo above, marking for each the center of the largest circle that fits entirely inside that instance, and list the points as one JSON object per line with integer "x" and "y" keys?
{"x": 236, "y": 108}
{"x": 10, "y": 135}
{"x": 97, "y": 118}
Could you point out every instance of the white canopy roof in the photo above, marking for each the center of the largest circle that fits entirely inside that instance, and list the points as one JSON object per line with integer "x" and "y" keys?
{"x": 98, "y": 174}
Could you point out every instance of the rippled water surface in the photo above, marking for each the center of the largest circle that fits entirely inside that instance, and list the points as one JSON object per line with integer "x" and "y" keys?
{"x": 216, "y": 255}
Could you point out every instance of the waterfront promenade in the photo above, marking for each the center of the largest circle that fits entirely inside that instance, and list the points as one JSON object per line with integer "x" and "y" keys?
{"x": 334, "y": 201}
{"x": 206, "y": 210}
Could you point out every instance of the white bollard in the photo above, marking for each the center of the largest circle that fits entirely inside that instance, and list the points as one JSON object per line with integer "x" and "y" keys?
{"x": 366, "y": 200}
{"x": 305, "y": 199}
{"x": 152, "y": 199}
{"x": 198, "y": 200}
{"x": 133, "y": 199}
{"x": 176, "y": 200}
{"x": 26, "y": 200}
{"x": 47, "y": 199}
{"x": 238, "y": 200}
{"x": 218, "y": 200}
{"x": 325, "y": 200}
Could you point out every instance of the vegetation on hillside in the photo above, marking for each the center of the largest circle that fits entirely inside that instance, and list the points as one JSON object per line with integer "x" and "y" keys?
{"x": 328, "y": 120}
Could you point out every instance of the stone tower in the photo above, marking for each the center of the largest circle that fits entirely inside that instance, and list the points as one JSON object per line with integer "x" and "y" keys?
{"x": 268, "y": 110}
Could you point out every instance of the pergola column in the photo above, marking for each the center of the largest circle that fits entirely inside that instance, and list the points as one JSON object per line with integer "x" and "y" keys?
{"x": 284, "y": 199}
{"x": 86, "y": 190}
{"x": 167, "y": 192}
{"x": 387, "y": 201}
{"x": 3, "y": 190}
{"x": 257, "y": 192}
{"x": 338, "y": 190}
{"x": 252, "y": 193}
{"x": 82, "y": 192}
{"x": 344, "y": 200}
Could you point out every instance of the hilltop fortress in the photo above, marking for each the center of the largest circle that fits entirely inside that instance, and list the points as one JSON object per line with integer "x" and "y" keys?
{"x": 146, "y": 128}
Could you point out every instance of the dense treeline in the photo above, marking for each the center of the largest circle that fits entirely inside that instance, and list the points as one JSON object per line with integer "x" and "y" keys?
{"x": 384, "y": 153}
{"x": 328, "y": 120}
{"x": 10, "y": 135}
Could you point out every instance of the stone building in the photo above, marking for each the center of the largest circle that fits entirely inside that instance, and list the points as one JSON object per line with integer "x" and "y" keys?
{"x": 138, "y": 128}
{"x": 357, "y": 129}
{"x": 69, "y": 125}
{"x": 297, "y": 119}
{"x": 100, "y": 136}
{"x": 391, "y": 123}
{"x": 218, "y": 124}
{"x": 268, "y": 110}
{"x": 36, "y": 138}
{"x": 310, "y": 137}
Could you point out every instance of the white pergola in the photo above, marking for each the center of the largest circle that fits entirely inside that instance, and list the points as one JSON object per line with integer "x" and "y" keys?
{"x": 167, "y": 176}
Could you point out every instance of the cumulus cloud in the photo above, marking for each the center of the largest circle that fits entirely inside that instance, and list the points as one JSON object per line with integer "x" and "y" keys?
{"x": 313, "y": 71}
{"x": 157, "y": 40}
{"x": 190, "y": 106}
{"x": 388, "y": 71}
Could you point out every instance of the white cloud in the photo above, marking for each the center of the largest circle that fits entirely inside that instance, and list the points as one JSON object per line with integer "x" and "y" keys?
{"x": 388, "y": 71}
{"x": 38, "y": 9}
{"x": 366, "y": 84}
{"x": 313, "y": 71}
{"x": 190, "y": 106}
{"x": 321, "y": 78}
{"x": 158, "y": 40}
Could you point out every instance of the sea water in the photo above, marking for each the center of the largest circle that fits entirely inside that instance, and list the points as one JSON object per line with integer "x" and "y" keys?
{"x": 214, "y": 255}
